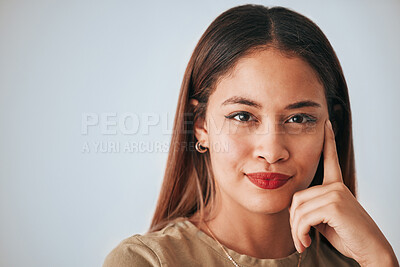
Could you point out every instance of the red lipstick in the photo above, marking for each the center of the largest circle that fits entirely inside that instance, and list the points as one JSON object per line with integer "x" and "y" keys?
{"x": 268, "y": 180}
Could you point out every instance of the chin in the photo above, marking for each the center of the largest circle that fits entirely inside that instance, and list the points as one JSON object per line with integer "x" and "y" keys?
{"x": 270, "y": 206}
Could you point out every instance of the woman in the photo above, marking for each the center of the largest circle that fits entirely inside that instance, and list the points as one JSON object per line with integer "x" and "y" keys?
{"x": 256, "y": 172}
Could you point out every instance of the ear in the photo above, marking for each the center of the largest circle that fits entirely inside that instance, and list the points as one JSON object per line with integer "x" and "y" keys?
{"x": 200, "y": 126}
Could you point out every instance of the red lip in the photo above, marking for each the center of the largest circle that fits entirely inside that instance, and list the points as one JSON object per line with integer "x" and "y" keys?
{"x": 268, "y": 180}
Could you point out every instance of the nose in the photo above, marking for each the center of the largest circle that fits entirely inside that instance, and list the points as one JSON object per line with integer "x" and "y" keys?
{"x": 271, "y": 145}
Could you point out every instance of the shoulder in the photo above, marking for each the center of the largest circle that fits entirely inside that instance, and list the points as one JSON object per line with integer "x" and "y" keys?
{"x": 155, "y": 249}
{"x": 132, "y": 251}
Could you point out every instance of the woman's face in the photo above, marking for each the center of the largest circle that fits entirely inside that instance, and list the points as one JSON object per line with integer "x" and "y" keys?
{"x": 267, "y": 115}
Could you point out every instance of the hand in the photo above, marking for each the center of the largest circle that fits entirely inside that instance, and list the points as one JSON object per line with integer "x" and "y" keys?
{"x": 333, "y": 210}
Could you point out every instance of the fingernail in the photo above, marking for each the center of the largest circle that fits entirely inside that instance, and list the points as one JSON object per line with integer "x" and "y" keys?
{"x": 297, "y": 248}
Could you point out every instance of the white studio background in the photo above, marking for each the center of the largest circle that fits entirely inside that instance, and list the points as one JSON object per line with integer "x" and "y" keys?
{"x": 62, "y": 61}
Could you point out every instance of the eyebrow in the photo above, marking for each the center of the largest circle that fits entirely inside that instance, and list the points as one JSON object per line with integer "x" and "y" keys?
{"x": 252, "y": 103}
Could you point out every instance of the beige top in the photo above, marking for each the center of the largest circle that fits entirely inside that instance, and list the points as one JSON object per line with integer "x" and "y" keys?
{"x": 183, "y": 244}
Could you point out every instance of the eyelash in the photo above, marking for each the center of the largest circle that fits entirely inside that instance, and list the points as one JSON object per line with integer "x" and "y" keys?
{"x": 309, "y": 118}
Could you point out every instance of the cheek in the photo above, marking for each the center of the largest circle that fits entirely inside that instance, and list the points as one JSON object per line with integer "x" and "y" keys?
{"x": 228, "y": 152}
{"x": 309, "y": 149}
{"x": 307, "y": 155}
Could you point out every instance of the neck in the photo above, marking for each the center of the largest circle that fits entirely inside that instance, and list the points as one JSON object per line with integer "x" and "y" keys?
{"x": 263, "y": 236}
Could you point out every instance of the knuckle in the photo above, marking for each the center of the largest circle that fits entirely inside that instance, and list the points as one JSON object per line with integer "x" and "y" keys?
{"x": 335, "y": 196}
{"x": 335, "y": 207}
{"x": 296, "y": 199}
{"x": 340, "y": 186}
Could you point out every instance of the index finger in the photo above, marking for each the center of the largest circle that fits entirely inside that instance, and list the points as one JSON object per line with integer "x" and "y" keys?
{"x": 332, "y": 171}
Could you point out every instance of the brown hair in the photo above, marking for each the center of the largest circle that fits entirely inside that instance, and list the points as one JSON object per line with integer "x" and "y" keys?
{"x": 188, "y": 185}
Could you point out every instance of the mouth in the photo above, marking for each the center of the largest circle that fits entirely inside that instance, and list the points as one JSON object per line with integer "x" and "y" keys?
{"x": 268, "y": 180}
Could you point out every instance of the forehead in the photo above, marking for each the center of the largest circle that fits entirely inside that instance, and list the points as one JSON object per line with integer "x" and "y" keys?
{"x": 272, "y": 78}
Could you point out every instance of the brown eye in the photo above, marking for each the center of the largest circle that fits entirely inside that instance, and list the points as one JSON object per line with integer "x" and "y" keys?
{"x": 297, "y": 119}
{"x": 302, "y": 119}
{"x": 241, "y": 117}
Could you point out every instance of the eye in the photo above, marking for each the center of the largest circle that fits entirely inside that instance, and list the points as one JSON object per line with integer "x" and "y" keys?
{"x": 241, "y": 116}
{"x": 302, "y": 118}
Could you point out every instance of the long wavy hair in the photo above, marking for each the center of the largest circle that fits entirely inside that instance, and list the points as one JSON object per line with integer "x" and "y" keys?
{"x": 188, "y": 185}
